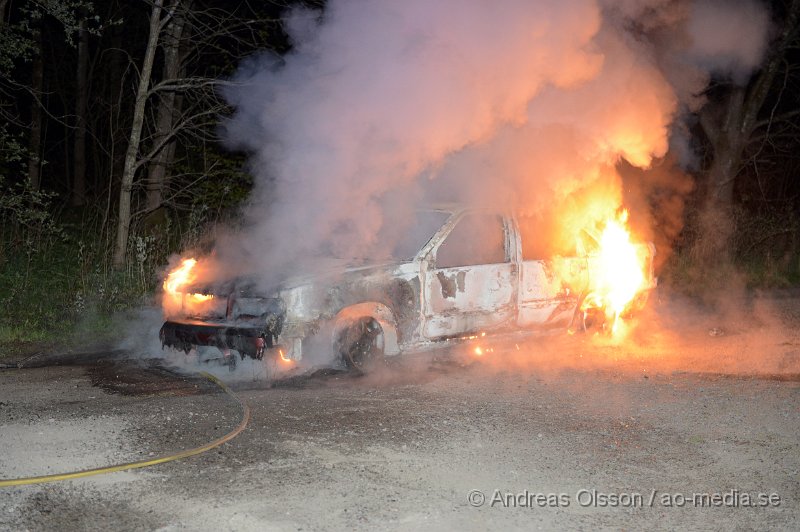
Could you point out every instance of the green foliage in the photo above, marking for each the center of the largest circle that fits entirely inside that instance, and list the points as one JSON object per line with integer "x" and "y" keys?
{"x": 766, "y": 246}
{"x": 217, "y": 184}
{"x": 57, "y": 285}
{"x": 66, "y": 289}
{"x": 68, "y": 13}
{"x": 36, "y": 300}
{"x": 765, "y": 253}
{"x": 11, "y": 153}
{"x": 18, "y": 41}
{"x": 55, "y": 260}
{"x": 29, "y": 227}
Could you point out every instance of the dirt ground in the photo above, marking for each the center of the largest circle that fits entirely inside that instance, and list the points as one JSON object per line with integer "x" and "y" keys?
{"x": 577, "y": 432}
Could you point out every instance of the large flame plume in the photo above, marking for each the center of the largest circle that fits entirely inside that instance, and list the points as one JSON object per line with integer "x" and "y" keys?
{"x": 595, "y": 227}
{"x": 181, "y": 278}
{"x": 618, "y": 272}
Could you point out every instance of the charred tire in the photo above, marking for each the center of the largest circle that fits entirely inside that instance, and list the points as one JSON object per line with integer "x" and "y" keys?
{"x": 360, "y": 344}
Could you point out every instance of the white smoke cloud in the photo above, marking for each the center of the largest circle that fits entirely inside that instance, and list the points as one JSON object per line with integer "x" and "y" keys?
{"x": 728, "y": 36}
{"x": 382, "y": 105}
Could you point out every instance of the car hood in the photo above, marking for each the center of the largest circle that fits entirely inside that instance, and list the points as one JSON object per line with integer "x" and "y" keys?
{"x": 322, "y": 270}
{"x": 325, "y": 271}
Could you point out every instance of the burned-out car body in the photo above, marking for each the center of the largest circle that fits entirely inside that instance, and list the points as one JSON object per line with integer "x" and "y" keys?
{"x": 460, "y": 272}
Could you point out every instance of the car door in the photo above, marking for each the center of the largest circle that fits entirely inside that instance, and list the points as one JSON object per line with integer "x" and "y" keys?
{"x": 544, "y": 298}
{"x": 470, "y": 284}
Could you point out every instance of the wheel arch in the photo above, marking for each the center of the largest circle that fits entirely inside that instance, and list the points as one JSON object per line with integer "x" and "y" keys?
{"x": 370, "y": 309}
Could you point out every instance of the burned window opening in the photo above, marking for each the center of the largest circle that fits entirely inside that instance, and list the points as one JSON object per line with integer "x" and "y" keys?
{"x": 477, "y": 238}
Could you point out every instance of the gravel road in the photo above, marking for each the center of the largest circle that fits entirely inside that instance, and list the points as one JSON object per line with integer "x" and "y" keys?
{"x": 550, "y": 432}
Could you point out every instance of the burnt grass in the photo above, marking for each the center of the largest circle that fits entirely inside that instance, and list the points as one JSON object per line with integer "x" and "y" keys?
{"x": 123, "y": 378}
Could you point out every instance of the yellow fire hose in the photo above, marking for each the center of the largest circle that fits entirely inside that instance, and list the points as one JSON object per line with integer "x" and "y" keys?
{"x": 145, "y": 463}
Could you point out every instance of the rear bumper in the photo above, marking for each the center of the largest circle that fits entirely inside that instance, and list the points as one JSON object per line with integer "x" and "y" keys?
{"x": 248, "y": 340}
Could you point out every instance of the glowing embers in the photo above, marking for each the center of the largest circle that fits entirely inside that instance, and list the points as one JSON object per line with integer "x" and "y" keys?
{"x": 477, "y": 348}
{"x": 479, "y": 351}
{"x": 175, "y": 300}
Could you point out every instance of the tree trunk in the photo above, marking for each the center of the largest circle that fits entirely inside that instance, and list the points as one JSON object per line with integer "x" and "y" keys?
{"x": 114, "y": 163}
{"x": 729, "y": 133}
{"x": 35, "y": 139}
{"x": 716, "y": 220}
{"x": 728, "y": 141}
{"x": 3, "y": 4}
{"x": 168, "y": 109}
{"x": 129, "y": 169}
{"x": 81, "y": 102}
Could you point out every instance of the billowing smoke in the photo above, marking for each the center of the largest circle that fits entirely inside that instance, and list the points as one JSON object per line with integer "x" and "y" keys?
{"x": 382, "y": 106}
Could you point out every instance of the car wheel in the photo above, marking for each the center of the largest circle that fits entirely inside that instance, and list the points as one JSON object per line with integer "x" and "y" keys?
{"x": 360, "y": 344}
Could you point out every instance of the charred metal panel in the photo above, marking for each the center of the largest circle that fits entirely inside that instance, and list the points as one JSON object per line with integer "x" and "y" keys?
{"x": 470, "y": 298}
{"x": 253, "y": 323}
{"x": 402, "y": 297}
{"x": 448, "y": 284}
{"x": 543, "y": 300}
{"x": 461, "y": 277}
{"x": 310, "y": 307}
{"x": 399, "y": 294}
{"x": 452, "y": 283}
{"x": 247, "y": 340}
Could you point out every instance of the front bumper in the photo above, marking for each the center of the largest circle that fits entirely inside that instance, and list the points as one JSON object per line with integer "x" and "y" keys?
{"x": 248, "y": 339}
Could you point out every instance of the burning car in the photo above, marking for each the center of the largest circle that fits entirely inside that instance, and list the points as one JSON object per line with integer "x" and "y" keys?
{"x": 458, "y": 272}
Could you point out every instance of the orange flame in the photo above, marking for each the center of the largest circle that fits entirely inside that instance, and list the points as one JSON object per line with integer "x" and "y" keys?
{"x": 614, "y": 266}
{"x": 618, "y": 272}
{"x": 180, "y": 276}
{"x": 620, "y": 268}
{"x": 175, "y": 300}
